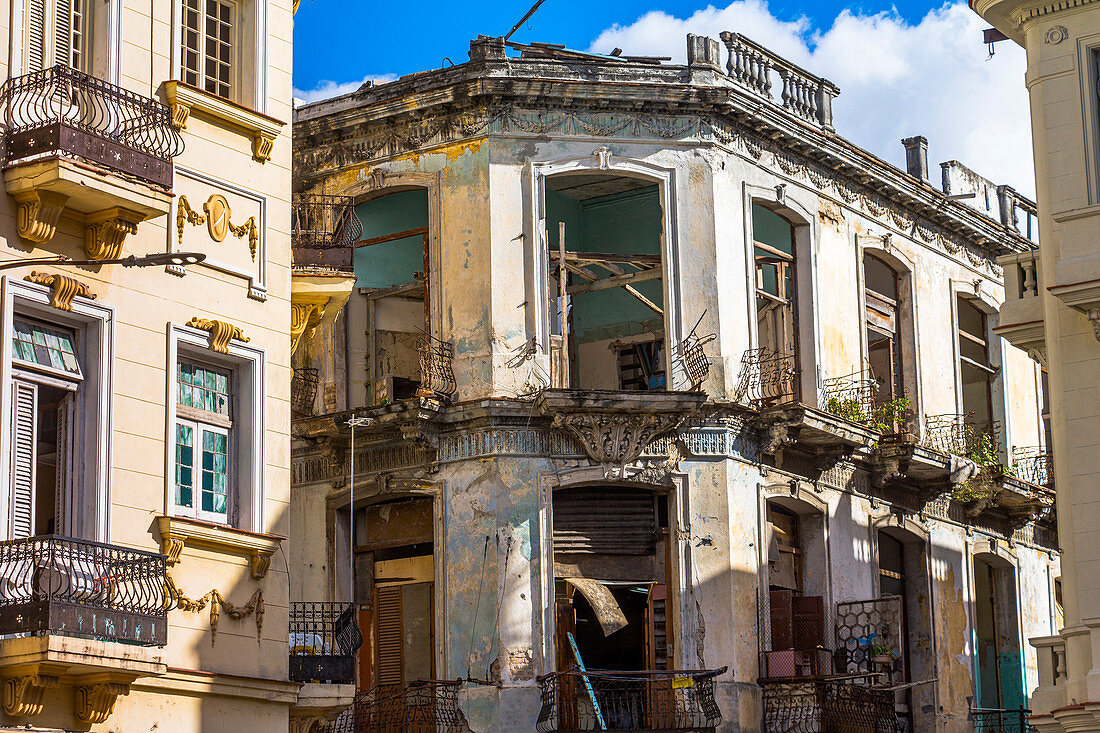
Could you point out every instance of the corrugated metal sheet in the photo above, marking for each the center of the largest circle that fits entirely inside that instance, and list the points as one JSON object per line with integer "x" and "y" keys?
{"x": 605, "y": 521}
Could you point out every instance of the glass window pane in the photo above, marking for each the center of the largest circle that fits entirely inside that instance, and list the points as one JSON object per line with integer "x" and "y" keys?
{"x": 47, "y": 346}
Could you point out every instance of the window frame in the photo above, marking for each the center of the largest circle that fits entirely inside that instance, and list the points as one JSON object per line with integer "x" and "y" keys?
{"x": 94, "y": 325}
{"x": 201, "y": 422}
{"x": 250, "y": 52}
{"x": 236, "y": 41}
{"x": 246, "y": 365}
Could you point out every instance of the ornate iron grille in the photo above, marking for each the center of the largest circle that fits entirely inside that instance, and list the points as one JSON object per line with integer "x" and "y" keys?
{"x": 768, "y": 378}
{"x": 1001, "y": 721}
{"x": 437, "y": 376}
{"x": 1034, "y": 465}
{"x": 303, "y": 390}
{"x": 851, "y": 396}
{"x": 634, "y": 701}
{"x": 60, "y": 585}
{"x": 694, "y": 359}
{"x": 424, "y": 706}
{"x": 864, "y": 626}
{"x": 64, "y": 110}
{"x": 321, "y": 221}
{"x": 828, "y": 707}
{"x": 324, "y": 637}
{"x": 960, "y": 435}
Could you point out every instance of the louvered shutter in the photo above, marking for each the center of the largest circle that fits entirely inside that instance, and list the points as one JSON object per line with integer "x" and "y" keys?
{"x": 390, "y": 641}
{"x": 24, "y": 457}
{"x": 605, "y": 521}
{"x": 63, "y": 499}
{"x": 36, "y": 35}
{"x": 63, "y": 32}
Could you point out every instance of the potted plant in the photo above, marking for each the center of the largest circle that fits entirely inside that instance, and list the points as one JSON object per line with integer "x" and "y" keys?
{"x": 881, "y": 653}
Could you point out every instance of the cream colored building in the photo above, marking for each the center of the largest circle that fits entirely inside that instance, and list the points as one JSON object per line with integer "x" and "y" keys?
{"x": 145, "y": 409}
{"x": 1052, "y": 310}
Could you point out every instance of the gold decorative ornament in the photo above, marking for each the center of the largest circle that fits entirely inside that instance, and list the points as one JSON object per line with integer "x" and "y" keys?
{"x": 105, "y": 231}
{"x": 180, "y": 113}
{"x": 95, "y": 703}
{"x": 217, "y": 603}
{"x": 216, "y": 215}
{"x": 262, "y": 145}
{"x": 37, "y": 214}
{"x": 23, "y": 695}
{"x": 221, "y": 333}
{"x": 304, "y": 318}
{"x": 62, "y": 289}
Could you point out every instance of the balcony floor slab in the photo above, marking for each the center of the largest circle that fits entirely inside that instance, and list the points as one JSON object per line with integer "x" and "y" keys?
{"x": 74, "y": 657}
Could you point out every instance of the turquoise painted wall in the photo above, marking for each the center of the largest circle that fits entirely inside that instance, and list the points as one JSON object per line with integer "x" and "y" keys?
{"x": 391, "y": 263}
{"x": 770, "y": 228}
{"x": 627, "y": 223}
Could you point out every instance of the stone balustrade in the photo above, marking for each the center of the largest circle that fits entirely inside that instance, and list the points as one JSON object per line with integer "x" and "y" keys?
{"x": 803, "y": 94}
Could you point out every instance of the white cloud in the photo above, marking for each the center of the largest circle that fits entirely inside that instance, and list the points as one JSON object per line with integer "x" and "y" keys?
{"x": 897, "y": 79}
{"x": 326, "y": 89}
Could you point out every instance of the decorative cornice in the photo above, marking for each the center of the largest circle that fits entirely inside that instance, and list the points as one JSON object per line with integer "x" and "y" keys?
{"x": 399, "y": 137}
{"x": 62, "y": 288}
{"x": 178, "y": 532}
{"x": 1024, "y": 16}
{"x": 262, "y": 129}
{"x": 221, "y": 333}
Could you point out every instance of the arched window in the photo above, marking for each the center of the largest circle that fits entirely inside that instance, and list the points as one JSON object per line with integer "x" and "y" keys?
{"x": 882, "y": 290}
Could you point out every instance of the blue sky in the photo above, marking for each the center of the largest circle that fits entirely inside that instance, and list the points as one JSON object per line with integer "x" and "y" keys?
{"x": 903, "y": 70}
{"x": 339, "y": 40}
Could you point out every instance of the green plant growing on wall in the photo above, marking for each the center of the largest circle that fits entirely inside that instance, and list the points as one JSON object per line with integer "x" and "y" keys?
{"x": 882, "y": 418}
{"x": 983, "y": 451}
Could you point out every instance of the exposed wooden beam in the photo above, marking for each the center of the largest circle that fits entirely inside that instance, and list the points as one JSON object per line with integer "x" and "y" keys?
{"x": 615, "y": 281}
{"x": 406, "y": 288}
{"x": 418, "y": 232}
{"x": 598, "y": 257}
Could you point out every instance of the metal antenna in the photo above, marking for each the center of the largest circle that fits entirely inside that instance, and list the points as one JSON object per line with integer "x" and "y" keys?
{"x": 524, "y": 19}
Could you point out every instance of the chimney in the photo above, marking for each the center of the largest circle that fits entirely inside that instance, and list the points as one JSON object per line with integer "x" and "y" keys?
{"x": 916, "y": 156}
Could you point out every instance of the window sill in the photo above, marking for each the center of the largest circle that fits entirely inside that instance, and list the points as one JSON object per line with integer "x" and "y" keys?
{"x": 183, "y": 99}
{"x": 176, "y": 532}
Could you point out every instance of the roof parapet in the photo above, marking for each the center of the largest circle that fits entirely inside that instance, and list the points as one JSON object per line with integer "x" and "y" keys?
{"x": 804, "y": 95}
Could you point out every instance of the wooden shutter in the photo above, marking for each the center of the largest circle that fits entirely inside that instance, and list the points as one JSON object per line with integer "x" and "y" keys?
{"x": 390, "y": 637}
{"x": 36, "y": 35}
{"x": 657, "y": 622}
{"x": 808, "y": 621}
{"x": 63, "y": 32}
{"x": 782, "y": 630}
{"x": 64, "y": 495}
{"x": 24, "y": 457}
{"x": 605, "y": 521}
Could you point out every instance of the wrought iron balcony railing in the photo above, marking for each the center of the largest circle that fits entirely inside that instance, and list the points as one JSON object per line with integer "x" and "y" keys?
{"x": 424, "y": 706}
{"x": 69, "y": 587}
{"x": 768, "y": 378}
{"x": 833, "y": 705}
{"x": 960, "y": 435}
{"x": 437, "y": 376}
{"x": 324, "y": 638}
{"x": 631, "y": 701}
{"x": 1034, "y": 465}
{"x": 988, "y": 720}
{"x": 62, "y": 110}
{"x": 303, "y": 390}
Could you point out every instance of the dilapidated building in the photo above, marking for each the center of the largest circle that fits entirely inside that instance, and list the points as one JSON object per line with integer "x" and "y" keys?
{"x": 642, "y": 365}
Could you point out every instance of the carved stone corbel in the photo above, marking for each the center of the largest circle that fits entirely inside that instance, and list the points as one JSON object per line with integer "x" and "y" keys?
{"x": 171, "y": 548}
{"x": 105, "y": 231}
{"x": 62, "y": 289}
{"x": 259, "y": 564}
{"x": 180, "y": 113}
{"x": 23, "y": 695}
{"x": 308, "y": 723}
{"x": 826, "y": 458}
{"x": 221, "y": 333}
{"x": 37, "y": 214}
{"x": 1094, "y": 318}
{"x": 615, "y": 439}
{"x": 304, "y": 318}
{"x": 262, "y": 144}
{"x": 94, "y": 703}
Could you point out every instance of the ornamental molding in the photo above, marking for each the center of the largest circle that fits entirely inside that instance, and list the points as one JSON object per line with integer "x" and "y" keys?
{"x": 221, "y": 333}
{"x": 418, "y": 135}
{"x": 23, "y": 695}
{"x": 63, "y": 289}
{"x": 1027, "y": 15}
{"x": 216, "y": 216}
{"x": 37, "y": 212}
{"x": 614, "y": 439}
{"x": 94, "y": 703}
{"x": 106, "y": 231}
